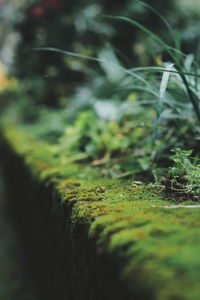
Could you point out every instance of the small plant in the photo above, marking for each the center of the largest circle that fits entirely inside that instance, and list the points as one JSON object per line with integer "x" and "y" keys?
{"x": 185, "y": 174}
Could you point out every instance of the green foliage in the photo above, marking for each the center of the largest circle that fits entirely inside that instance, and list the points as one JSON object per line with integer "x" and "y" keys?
{"x": 73, "y": 26}
{"x": 122, "y": 118}
{"x": 171, "y": 107}
{"x": 185, "y": 173}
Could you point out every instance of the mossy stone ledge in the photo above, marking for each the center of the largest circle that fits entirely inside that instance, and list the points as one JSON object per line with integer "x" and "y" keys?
{"x": 93, "y": 238}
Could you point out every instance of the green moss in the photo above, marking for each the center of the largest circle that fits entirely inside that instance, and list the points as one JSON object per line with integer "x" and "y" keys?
{"x": 156, "y": 248}
{"x": 161, "y": 246}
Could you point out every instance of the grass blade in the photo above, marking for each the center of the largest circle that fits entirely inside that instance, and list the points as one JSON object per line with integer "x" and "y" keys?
{"x": 160, "y": 102}
{"x": 96, "y": 59}
{"x": 147, "y": 31}
{"x": 167, "y": 24}
{"x": 161, "y": 70}
{"x": 164, "y": 82}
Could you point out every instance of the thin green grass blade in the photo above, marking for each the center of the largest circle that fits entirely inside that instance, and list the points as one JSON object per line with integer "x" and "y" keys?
{"x": 160, "y": 102}
{"x": 138, "y": 88}
{"x": 78, "y": 55}
{"x": 164, "y": 82}
{"x": 194, "y": 98}
{"x": 169, "y": 49}
{"x": 147, "y": 31}
{"x": 161, "y": 70}
{"x": 164, "y": 20}
{"x": 92, "y": 58}
{"x": 197, "y": 59}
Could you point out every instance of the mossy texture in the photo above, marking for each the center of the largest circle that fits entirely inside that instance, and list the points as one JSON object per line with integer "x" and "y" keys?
{"x": 155, "y": 248}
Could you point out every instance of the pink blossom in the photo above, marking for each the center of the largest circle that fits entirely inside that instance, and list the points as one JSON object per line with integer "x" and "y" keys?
{"x": 38, "y": 11}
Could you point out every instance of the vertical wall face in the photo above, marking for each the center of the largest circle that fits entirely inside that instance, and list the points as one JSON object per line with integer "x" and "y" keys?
{"x": 63, "y": 263}
{"x": 43, "y": 229}
{"x": 15, "y": 279}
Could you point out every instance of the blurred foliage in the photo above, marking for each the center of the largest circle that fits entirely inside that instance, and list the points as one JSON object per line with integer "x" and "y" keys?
{"x": 94, "y": 106}
{"x": 77, "y": 26}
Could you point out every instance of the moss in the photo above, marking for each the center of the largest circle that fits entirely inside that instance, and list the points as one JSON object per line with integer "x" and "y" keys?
{"x": 160, "y": 246}
{"x": 156, "y": 248}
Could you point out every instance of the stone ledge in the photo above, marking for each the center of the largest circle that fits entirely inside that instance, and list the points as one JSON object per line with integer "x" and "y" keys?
{"x": 139, "y": 248}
